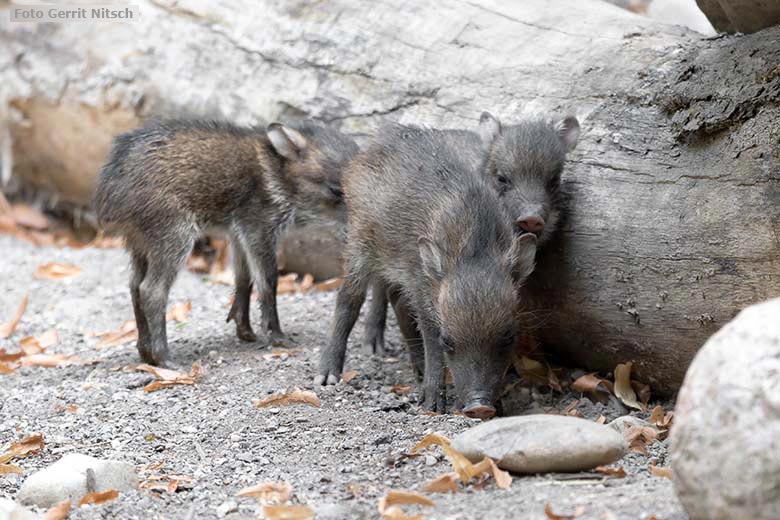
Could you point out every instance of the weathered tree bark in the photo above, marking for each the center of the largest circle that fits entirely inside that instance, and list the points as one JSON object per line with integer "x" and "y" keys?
{"x": 745, "y": 16}
{"x": 675, "y": 190}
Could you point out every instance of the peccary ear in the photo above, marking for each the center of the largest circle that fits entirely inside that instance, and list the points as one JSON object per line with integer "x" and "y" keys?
{"x": 431, "y": 259}
{"x": 523, "y": 255}
{"x": 569, "y": 131}
{"x": 288, "y": 142}
{"x": 489, "y": 128}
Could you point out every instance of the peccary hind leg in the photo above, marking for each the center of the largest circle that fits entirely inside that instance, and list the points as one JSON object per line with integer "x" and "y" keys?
{"x": 239, "y": 311}
{"x": 374, "y": 341}
{"x": 348, "y": 302}
{"x": 163, "y": 265}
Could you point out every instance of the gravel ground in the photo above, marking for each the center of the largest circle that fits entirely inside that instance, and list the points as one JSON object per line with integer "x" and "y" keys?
{"x": 340, "y": 458}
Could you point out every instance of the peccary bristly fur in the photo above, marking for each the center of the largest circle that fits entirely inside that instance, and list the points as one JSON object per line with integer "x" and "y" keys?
{"x": 168, "y": 182}
{"x": 425, "y": 221}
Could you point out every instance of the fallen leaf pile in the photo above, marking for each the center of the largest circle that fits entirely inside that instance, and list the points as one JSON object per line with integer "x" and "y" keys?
{"x": 28, "y": 446}
{"x": 631, "y": 393}
{"x": 389, "y": 505}
{"x": 32, "y": 353}
{"x": 273, "y": 496}
{"x": 128, "y": 331}
{"x": 662, "y": 420}
{"x": 31, "y": 225}
{"x": 464, "y": 470}
{"x": 167, "y": 377}
{"x": 639, "y": 438}
{"x": 535, "y": 372}
{"x": 294, "y": 396}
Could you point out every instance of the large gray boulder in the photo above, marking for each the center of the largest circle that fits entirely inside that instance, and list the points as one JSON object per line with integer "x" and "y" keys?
{"x": 542, "y": 443}
{"x": 725, "y": 442}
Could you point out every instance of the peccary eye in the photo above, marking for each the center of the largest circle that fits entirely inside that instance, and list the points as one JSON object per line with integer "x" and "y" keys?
{"x": 503, "y": 183}
{"x": 447, "y": 344}
{"x": 336, "y": 192}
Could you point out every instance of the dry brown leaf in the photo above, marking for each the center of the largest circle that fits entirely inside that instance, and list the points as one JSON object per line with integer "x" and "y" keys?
{"x": 642, "y": 392}
{"x": 329, "y": 285}
{"x": 462, "y": 466}
{"x": 167, "y": 483}
{"x": 49, "y": 360}
{"x": 445, "y": 483}
{"x": 37, "y": 344}
{"x": 660, "y": 472}
{"x": 307, "y": 283}
{"x": 488, "y": 466}
{"x": 10, "y": 357}
{"x": 389, "y": 504}
{"x": 29, "y": 217}
{"x": 167, "y": 377}
{"x": 100, "y": 497}
{"x": 6, "y": 369}
{"x": 127, "y": 332}
{"x": 288, "y": 513}
{"x": 72, "y": 408}
{"x": 287, "y": 284}
{"x": 661, "y": 420}
{"x": 601, "y": 420}
{"x": 225, "y": 277}
{"x": 279, "y": 353}
{"x": 56, "y": 271}
{"x": 30, "y": 345}
{"x": 268, "y": 493}
{"x": 618, "y": 472}
{"x": 296, "y": 395}
{"x": 27, "y": 446}
{"x": 6, "y": 329}
{"x": 533, "y": 371}
{"x": 59, "y": 511}
{"x": 579, "y": 510}
{"x": 400, "y": 389}
{"x": 623, "y": 389}
{"x": 348, "y": 376}
{"x": 179, "y": 312}
{"x": 589, "y": 383}
{"x": 5, "y": 469}
{"x": 639, "y": 438}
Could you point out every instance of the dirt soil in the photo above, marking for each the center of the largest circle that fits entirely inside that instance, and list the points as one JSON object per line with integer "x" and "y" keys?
{"x": 340, "y": 459}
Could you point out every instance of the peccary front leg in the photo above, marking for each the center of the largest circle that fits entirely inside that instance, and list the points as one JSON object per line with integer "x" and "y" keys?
{"x": 239, "y": 311}
{"x": 409, "y": 331}
{"x": 376, "y": 319}
{"x": 260, "y": 248}
{"x": 139, "y": 266}
{"x": 434, "y": 388}
{"x": 163, "y": 265}
{"x": 348, "y": 302}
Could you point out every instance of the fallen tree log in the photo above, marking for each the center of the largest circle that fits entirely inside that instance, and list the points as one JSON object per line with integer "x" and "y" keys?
{"x": 674, "y": 186}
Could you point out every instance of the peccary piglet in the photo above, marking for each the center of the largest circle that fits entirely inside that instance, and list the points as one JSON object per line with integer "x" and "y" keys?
{"x": 423, "y": 221}
{"x": 168, "y": 182}
{"x": 525, "y": 162}
{"x": 524, "y": 165}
